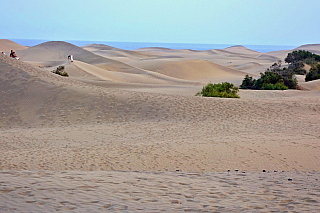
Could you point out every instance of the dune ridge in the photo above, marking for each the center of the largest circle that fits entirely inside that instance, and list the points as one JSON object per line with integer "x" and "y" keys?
{"x": 7, "y": 45}
{"x": 240, "y": 49}
{"x": 314, "y": 48}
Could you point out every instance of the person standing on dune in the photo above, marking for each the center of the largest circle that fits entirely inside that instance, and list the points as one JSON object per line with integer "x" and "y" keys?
{"x": 70, "y": 58}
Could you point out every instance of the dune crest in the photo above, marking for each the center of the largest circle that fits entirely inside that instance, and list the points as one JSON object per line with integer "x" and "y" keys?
{"x": 108, "y": 51}
{"x": 7, "y": 45}
{"x": 314, "y": 48}
{"x": 240, "y": 50}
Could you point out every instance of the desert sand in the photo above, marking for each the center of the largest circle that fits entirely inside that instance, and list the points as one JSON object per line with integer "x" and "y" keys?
{"x": 126, "y": 132}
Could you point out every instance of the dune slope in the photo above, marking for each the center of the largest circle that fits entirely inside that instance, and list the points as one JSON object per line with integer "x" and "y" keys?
{"x": 8, "y": 45}
{"x": 310, "y": 85}
{"x": 154, "y": 132}
{"x": 196, "y": 70}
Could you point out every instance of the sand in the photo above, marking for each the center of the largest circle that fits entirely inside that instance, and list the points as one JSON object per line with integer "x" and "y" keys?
{"x": 104, "y": 191}
{"x": 7, "y": 45}
{"x": 131, "y": 135}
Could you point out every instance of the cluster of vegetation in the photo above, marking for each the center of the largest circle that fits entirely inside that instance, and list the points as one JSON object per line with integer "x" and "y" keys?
{"x": 60, "y": 71}
{"x": 297, "y": 59}
{"x": 302, "y": 55}
{"x": 278, "y": 78}
{"x": 222, "y": 90}
{"x": 275, "y": 78}
{"x": 314, "y": 73}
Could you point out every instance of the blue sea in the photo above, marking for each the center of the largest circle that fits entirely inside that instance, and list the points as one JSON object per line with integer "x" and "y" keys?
{"x": 137, "y": 45}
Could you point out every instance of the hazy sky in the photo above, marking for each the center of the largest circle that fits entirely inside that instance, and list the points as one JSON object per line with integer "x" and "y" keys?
{"x": 265, "y": 22}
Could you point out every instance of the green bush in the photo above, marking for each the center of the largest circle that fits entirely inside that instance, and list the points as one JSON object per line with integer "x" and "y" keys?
{"x": 314, "y": 73}
{"x": 223, "y": 90}
{"x": 248, "y": 83}
{"x": 301, "y": 55}
{"x": 277, "y": 86}
{"x": 281, "y": 79}
{"x": 60, "y": 71}
{"x": 297, "y": 68}
{"x": 268, "y": 87}
{"x": 297, "y": 59}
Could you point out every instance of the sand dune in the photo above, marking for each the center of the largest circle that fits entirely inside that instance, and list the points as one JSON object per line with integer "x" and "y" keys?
{"x": 314, "y": 48}
{"x": 310, "y": 85}
{"x": 148, "y": 49}
{"x": 238, "y": 57}
{"x": 196, "y": 70}
{"x": 108, "y": 51}
{"x": 58, "y": 51}
{"x": 268, "y": 57}
{"x": 282, "y": 54}
{"x": 146, "y": 77}
{"x": 241, "y": 50}
{"x": 8, "y": 45}
{"x": 246, "y": 66}
{"x": 169, "y": 128}
{"x": 135, "y": 138}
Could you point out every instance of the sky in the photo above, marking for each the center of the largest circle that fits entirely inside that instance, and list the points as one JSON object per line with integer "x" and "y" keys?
{"x": 251, "y": 22}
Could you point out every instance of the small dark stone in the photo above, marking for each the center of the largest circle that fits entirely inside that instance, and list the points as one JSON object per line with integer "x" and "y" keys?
{"x": 236, "y": 170}
{"x": 263, "y": 170}
{"x": 228, "y": 170}
{"x": 177, "y": 170}
{"x": 289, "y": 179}
{"x": 243, "y": 172}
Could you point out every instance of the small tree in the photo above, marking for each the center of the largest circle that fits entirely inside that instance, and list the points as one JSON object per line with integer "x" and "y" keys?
{"x": 248, "y": 83}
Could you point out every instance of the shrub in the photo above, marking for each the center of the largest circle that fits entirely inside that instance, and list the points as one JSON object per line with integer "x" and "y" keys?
{"x": 248, "y": 83}
{"x": 223, "y": 90}
{"x": 297, "y": 59}
{"x": 301, "y": 55}
{"x": 314, "y": 73}
{"x": 277, "y": 86}
{"x": 60, "y": 71}
{"x": 280, "y": 79}
{"x": 281, "y": 86}
{"x": 297, "y": 68}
